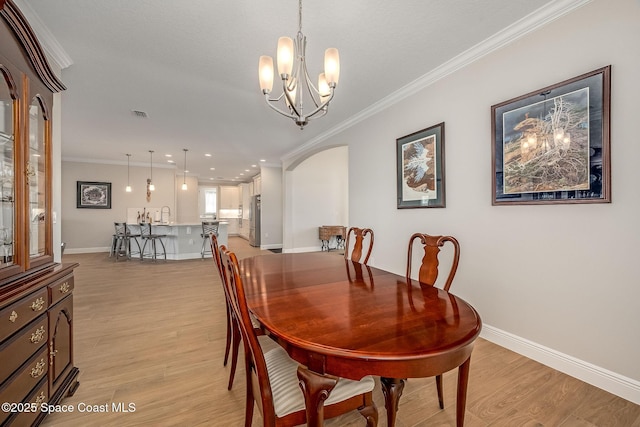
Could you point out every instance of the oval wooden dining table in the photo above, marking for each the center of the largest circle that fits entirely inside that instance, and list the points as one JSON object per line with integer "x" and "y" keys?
{"x": 345, "y": 319}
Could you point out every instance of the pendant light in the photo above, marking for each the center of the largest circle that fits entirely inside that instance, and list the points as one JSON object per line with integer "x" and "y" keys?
{"x": 150, "y": 183}
{"x": 128, "y": 188}
{"x": 184, "y": 179}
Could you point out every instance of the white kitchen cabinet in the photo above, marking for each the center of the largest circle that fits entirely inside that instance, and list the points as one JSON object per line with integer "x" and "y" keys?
{"x": 229, "y": 197}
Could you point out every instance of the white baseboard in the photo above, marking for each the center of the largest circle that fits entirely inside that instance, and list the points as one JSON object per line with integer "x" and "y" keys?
{"x": 86, "y": 250}
{"x": 300, "y": 250}
{"x": 272, "y": 246}
{"x": 612, "y": 382}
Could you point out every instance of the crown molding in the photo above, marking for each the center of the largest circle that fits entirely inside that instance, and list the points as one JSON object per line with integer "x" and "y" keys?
{"x": 49, "y": 43}
{"x": 119, "y": 163}
{"x": 535, "y": 20}
{"x": 31, "y": 46}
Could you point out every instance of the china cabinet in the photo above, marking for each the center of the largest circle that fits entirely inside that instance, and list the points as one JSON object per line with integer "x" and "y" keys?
{"x": 36, "y": 294}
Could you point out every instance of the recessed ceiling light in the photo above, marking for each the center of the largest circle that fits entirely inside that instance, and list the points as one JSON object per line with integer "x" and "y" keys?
{"x": 262, "y": 160}
{"x": 241, "y": 173}
{"x": 207, "y": 155}
{"x": 246, "y": 170}
{"x": 211, "y": 179}
{"x": 168, "y": 155}
{"x": 254, "y": 166}
{"x": 171, "y": 161}
{"x": 212, "y": 169}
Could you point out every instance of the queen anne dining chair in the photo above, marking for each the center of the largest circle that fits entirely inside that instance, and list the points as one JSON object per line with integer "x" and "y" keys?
{"x": 428, "y": 273}
{"x": 232, "y": 345}
{"x": 272, "y": 379}
{"x": 360, "y": 234}
{"x": 233, "y": 332}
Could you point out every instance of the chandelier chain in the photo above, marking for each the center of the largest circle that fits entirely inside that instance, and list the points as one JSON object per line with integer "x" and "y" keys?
{"x": 299, "y": 16}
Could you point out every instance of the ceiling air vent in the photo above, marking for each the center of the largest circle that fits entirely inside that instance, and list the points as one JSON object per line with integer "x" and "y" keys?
{"x": 140, "y": 114}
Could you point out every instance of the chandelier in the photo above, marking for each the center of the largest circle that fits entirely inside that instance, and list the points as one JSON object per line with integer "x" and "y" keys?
{"x": 296, "y": 84}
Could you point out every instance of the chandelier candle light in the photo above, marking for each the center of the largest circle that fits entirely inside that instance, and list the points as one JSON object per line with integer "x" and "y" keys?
{"x": 184, "y": 179}
{"x": 296, "y": 84}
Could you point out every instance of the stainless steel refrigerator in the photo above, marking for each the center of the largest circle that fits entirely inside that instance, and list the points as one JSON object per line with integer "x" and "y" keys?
{"x": 254, "y": 221}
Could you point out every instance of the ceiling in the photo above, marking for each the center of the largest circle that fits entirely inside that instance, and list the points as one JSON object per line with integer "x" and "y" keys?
{"x": 192, "y": 68}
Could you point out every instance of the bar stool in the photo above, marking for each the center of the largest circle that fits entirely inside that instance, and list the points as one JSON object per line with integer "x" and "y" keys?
{"x": 208, "y": 228}
{"x": 121, "y": 241}
{"x": 118, "y": 240}
{"x": 147, "y": 236}
{"x": 133, "y": 234}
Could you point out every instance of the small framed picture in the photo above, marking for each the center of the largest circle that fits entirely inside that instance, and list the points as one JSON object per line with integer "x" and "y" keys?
{"x": 93, "y": 195}
{"x": 420, "y": 168}
{"x": 552, "y": 145}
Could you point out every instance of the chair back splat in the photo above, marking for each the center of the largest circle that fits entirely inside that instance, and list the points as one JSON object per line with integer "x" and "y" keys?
{"x": 360, "y": 234}
{"x": 428, "y": 273}
{"x": 272, "y": 376}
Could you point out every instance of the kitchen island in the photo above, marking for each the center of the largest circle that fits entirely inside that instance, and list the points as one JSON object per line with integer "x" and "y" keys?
{"x": 183, "y": 241}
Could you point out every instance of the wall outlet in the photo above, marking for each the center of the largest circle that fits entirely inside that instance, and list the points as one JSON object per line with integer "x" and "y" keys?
{"x": 191, "y": 241}
{"x": 188, "y": 230}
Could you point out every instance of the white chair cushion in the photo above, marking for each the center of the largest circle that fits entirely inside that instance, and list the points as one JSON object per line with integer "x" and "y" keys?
{"x": 287, "y": 394}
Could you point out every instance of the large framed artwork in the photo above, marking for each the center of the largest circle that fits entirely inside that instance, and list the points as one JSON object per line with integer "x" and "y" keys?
{"x": 552, "y": 145}
{"x": 93, "y": 195}
{"x": 420, "y": 168}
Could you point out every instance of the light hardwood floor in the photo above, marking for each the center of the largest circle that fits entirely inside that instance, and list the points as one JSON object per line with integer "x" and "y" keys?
{"x": 153, "y": 334}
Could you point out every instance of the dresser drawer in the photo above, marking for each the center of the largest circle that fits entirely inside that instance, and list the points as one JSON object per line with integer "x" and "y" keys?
{"x": 37, "y": 397}
{"x": 24, "y": 380}
{"x": 60, "y": 289}
{"x": 21, "y": 346}
{"x": 21, "y": 312}
{"x": 327, "y": 231}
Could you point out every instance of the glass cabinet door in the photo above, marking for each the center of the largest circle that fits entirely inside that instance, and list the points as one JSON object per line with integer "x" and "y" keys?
{"x": 37, "y": 178}
{"x": 7, "y": 171}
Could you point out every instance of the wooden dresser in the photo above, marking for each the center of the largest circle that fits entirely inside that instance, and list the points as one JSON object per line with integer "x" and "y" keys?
{"x": 36, "y": 293}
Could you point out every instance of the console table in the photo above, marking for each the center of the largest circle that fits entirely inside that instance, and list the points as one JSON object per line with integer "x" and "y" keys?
{"x": 326, "y": 232}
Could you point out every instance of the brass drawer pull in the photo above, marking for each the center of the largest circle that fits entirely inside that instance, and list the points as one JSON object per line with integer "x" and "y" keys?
{"x": 38, "y": 369}
{"x": 37, "y": 336}
{"x": 13, "y": 316}
{"x": 37, "y": 304}
{"x": 64, "y": 288}
{"x": 41, "y": 398}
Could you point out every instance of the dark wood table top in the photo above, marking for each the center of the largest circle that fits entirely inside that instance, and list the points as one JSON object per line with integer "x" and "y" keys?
{"x": 350, "y": 320}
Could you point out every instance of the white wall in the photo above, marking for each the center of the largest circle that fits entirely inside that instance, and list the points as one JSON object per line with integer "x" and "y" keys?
{"x": 319, "y": 196}
{"x": 186, "y": 201}
{"x": 271, "y": 207}
{"x": 560, "y": 283}
{"x": 90, "y": 230}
